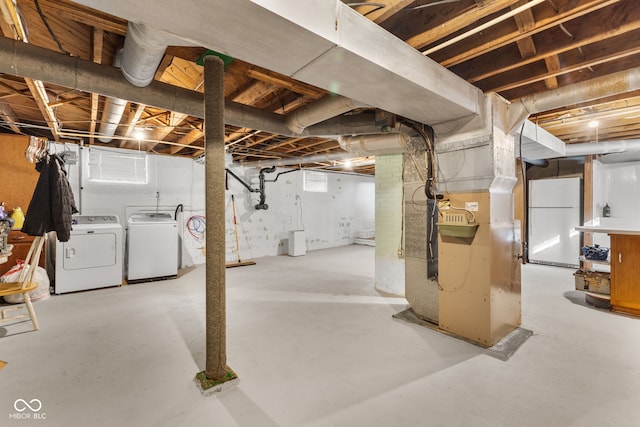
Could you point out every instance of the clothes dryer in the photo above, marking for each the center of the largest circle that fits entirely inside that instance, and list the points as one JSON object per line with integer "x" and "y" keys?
{"x": 92, "y": 257}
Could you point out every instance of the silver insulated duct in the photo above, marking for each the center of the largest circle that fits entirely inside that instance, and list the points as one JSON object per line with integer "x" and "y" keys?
{"x": 113, "y": 110}
{"x": 324, "y": 109}
{"x": 385, "y": 143}
{"x": 144, "y": 48}
{"x": 603, "y": 147}
{"x": 143, "y": 51}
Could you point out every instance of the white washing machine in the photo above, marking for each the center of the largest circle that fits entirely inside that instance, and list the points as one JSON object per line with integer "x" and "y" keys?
{"x": 92, "y": 258}
{"x": 152, "y": 246}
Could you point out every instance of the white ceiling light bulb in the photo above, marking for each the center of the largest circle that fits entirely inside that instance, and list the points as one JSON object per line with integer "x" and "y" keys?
{"x": 593, "y": 124}
{"x": 138, "y": 134}
{"x": 347, "y": 164}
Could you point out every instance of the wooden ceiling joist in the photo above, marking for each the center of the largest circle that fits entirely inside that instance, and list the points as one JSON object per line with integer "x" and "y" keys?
{"x": 567, "y": 69}
{"x": 97, "y": 44}
{"x": 496, "y": 37}
{"x": 188, "y": 139}
{"x": 594, "y": 28}
{"x": 447, "y": 25}
{"x": 534, "y": 46}
{"x": 92, "y": 18}
{"x": 285, "y": 82}
{"x": 9, "y": 117}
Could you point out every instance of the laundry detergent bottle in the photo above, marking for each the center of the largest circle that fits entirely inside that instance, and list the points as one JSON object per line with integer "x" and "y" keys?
{"x": 18, "y": 218}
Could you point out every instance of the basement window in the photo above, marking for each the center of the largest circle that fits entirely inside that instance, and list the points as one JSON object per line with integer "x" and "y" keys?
{"x": 315, "y": 182}
{"x": 117, "y": 168}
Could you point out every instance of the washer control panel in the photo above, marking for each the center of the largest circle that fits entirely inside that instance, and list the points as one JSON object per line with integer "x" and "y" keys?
{"x": 96, "y": 219}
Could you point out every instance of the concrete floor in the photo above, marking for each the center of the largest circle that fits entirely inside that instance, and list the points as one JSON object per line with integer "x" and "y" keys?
{"x": 315, "y": 345}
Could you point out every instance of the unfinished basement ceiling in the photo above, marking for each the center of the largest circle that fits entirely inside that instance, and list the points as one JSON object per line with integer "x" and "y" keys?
{"x": 516, "y": 48}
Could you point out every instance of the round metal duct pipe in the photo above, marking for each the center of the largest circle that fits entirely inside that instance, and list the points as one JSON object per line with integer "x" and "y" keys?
{"x": 326, "y": 108}
{"x": 289, "y": 161}
{"x": 588, "y": 90}
{"x": 602, "y": 147}
{"x": 385, "y": 143}
{"x": 144, "y": 48}
{"x": 113, "y": 110}
{"x": 143, "y": 51}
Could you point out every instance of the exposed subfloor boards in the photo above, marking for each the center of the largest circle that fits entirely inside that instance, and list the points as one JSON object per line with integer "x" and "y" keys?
{"x": 316, "y": 345}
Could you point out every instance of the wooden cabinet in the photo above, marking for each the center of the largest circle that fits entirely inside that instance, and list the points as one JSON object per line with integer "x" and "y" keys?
{"x": 21, "y": 243}
{"x": 625, "y": 273}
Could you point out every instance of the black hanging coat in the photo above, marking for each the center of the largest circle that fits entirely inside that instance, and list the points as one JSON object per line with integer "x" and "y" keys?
{"x": 52, "y": 204}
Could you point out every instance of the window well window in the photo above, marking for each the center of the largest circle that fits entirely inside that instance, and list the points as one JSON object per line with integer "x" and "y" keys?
{"x": 315, "y": 182}
{"x": 117, "y": 167}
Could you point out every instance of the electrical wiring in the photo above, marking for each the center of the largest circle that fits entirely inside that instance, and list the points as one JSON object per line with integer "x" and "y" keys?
{"x": 197, "y": 226}
{"x": 430, "y": 161}
{"x": 415, "y": 203}
{"x": 46, "y": 24}
{"x": 430, "y": 183}
{"x": 525, "y": 192}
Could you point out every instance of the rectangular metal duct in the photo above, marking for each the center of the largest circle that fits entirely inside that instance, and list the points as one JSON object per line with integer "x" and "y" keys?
{"x": 320, "y": 42}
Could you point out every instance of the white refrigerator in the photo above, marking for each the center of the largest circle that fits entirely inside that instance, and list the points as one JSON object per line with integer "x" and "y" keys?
{"x": 555, "y": 207}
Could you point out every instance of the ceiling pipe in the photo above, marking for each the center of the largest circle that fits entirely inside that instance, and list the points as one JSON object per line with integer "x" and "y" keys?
{"x": 619, "y": 157}
{"x": 388, "y": 143}
{"x": 602, "y": 147}
{"x": 354, "y": 146}
{"x": 612, "y": 148}
{"x": 365, "y": 122}
{"x": 588, "y": 90}
{"x": 541, "y": 163}
{"x": 111, "y": 116}
{"x": 316, "y": 158}
{"x": 327, "y": 45}
{"x": 143, "y": 51}
{"x": 321, "y": 110}
{"x": 26, "y": 60}
{"x": 113, "y": 110}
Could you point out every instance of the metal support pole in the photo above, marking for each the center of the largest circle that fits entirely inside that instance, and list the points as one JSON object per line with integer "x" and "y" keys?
{"x": 216, "y": 371}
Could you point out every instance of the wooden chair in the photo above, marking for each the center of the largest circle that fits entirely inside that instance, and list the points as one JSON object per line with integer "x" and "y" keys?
{"x": 24, "y": 285}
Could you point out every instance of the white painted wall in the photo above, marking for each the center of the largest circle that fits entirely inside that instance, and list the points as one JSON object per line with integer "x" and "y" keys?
{"x": 390, "y": 262}
{"x": 617, "y": 184}
{"x": 329, "y": 219}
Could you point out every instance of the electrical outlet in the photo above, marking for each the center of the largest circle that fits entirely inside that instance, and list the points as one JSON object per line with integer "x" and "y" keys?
{"x": 69, "y": 157}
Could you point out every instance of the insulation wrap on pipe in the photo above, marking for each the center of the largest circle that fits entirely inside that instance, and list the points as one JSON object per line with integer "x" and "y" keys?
{"x": 387, "y": 143}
